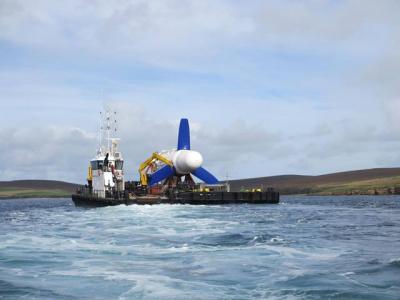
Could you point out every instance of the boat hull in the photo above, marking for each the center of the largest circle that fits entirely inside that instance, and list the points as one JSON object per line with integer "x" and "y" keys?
{"x": 192, "y": 198}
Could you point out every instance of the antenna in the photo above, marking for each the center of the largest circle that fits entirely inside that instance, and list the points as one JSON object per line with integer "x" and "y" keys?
{"x": 101, "y": 131}
{"x": 108, "y": 130}
{"x": 115, "y": 123}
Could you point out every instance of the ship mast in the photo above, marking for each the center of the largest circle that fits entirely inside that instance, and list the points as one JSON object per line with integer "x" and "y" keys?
{"x": 100, "y": 150}
{"x": 108, "y": 129}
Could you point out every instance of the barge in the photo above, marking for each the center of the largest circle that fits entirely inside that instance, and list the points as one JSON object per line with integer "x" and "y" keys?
{"x": 190, "y": 197}
{"x": 165, "y": 177}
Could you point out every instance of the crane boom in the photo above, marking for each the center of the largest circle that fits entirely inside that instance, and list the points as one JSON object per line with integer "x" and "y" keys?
{"x": 154, "y": 157}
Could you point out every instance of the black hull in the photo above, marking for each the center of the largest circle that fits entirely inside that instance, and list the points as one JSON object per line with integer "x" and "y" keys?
{"x": 192, "y": 198}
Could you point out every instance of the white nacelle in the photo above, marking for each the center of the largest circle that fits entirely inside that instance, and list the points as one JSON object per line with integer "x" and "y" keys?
{"x": 186, "y": 161}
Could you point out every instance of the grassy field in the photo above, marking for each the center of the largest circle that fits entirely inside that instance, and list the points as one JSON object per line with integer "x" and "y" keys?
{"x": 374, "y": 186}
{"x": 365, "y": 182}
{"x": 36, "y": 189}
{"x": 6, "y": 193}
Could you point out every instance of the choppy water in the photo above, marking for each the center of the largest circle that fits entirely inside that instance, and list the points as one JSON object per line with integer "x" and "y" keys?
{"x": 303, "y": 248}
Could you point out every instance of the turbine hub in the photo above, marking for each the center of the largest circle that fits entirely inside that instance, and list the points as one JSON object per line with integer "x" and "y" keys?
{"x": 186, "y": 161}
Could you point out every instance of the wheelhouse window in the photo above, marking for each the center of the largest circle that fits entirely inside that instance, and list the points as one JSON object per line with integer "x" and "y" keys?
{"x": 119, "y": 164}
{"x": 96, "y": 164}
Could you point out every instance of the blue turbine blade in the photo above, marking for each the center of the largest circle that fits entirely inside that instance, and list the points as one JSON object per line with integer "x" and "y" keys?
{"x": 184, "y": 135}
{"x": 161, "y": 174}
{"x": 204, "y": 175}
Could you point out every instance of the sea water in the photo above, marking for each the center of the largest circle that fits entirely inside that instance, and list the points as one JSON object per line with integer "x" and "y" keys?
{"x": 302, "y": 248}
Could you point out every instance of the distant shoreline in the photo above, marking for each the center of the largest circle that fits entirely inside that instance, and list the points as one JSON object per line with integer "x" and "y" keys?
{"x": 382, "y": 181}
{"x": 32, "y": 196}
{"x": 20, "y": 189}
{"x": 291, "y": 195}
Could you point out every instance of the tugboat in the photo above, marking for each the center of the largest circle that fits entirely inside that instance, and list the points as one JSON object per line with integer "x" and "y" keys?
{"x": 105, "y": 179}
{"x": 165, "y": 177}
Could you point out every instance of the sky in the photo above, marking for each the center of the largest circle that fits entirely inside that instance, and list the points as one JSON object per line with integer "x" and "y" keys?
{"x": 270, "y": 87}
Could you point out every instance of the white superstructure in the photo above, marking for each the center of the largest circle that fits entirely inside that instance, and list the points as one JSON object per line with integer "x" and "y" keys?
{"x": 106, "y": 167}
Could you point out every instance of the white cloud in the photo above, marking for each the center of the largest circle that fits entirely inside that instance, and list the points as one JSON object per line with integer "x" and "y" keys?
{"x": 240, "y": 148}
{"x": 272, "y": 82}
{"x": 44, "y": 153}
{"x": 63, "y": 153}
{"x": 174, "y": 33}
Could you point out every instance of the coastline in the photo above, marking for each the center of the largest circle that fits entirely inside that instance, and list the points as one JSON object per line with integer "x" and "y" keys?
{"x": 50, "y": 196}
{"x": 383, "y": 181}
{"x": 21, "y": 193}
{"x": 33, "y": 196}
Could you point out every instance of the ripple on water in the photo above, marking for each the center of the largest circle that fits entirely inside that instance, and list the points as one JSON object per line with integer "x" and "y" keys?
{"x": 307, "y": 248}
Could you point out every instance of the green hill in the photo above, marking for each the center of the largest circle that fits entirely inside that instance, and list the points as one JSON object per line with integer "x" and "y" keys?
{"x": 36, "y": 189}
{"x": 370, "y": 181}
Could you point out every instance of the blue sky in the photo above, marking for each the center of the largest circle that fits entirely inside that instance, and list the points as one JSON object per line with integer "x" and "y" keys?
{"x": 270, "y": 87}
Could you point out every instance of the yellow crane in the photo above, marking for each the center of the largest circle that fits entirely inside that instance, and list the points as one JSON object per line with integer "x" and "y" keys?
{"x": 154, "y": 157}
